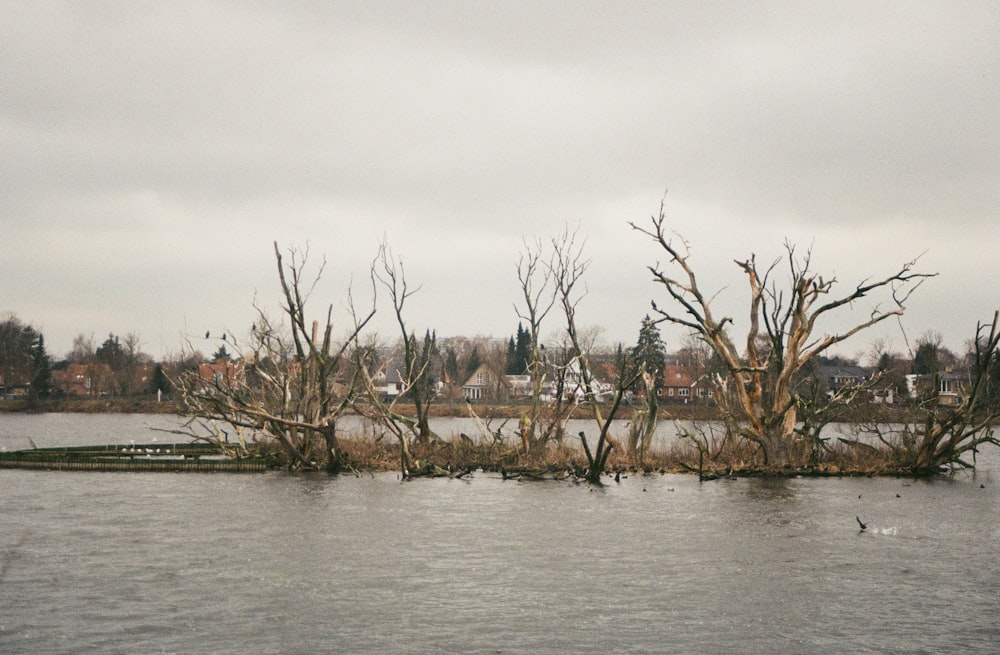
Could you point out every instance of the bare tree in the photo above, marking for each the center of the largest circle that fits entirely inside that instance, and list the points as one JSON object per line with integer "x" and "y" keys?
{"x": 128, "y": 375}
{"x": 569, "y": 267}
{"x": 708, "y": 440}
{"x": 538, "y": 294}
{"x": 289, "y": 383}
{"x": 415, "y": 373}
{"x": 780, "y": 339}
{"x": 381, "y": 409}
{"x": 83, "y": 349}
{"x": 951, "y": 435}
{"x": 644, "y": 418}
{"x": 819, "y": 405}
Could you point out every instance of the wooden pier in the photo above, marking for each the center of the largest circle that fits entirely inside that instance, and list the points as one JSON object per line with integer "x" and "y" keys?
{"x": 189, "y": 457}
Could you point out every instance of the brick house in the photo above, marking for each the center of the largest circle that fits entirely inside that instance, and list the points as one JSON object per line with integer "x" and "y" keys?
{"x": 681, "y": 386}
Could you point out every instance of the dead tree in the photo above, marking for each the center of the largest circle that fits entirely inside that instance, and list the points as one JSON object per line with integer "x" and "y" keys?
{"x": 818, "y": 407}
{"x": 569, "y": 268}
{"x": 373, "y": 404}
{"x": 538, "y": 293}
{"x": 709, "y": 441}
{"x": 780, "y": 338}
{"x": 644, "y": 419}
{"x": 290, "y": 382}
{"x": 951, "y": 436}
{"x": 415, "y": 373}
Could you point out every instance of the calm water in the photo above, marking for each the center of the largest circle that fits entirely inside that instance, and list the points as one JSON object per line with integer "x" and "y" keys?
{"x": 277, "y": 563}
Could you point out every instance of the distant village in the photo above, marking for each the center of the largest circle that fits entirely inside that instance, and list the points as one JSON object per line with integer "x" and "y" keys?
{"x": 478, "y": 370}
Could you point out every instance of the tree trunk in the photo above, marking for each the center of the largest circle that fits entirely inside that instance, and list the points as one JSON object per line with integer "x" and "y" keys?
{"x": 334, "y": 456}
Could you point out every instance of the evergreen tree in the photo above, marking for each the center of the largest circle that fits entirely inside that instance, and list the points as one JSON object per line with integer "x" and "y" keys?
{"x": 159, "y": 381}
{"x": 451, "y": 366}
{"x": 41, "y": 380}
{"x": 110, "y": 352}
{"x": 511, "y": 368}
{"x": 925, "y": 360}
{"x": 422, "y": 374}
{"x": 222, "y": 354}
{"x": 475, "y": 361}
{"x": 16, "y": 339}
{"x": 522, "y": 351}
{"x": 892, "y": 374}
{"x": 23, "y": 360}
{"x": 650, "y": 350}
{"x": 519, "y": 352}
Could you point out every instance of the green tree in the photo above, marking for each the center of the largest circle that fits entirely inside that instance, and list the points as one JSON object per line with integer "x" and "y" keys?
{"x": 925, "y": 358}
{"x": 41, "y": 373}
{"x": 650, "y": 351}
{"x": 221, "y": 354}
{"x": 421, "y": 360}
{"x": 21, "y": 352}
{"x": 159, "y": 382}
{"x": 519, "y": 352}
{"x": 475, "y": 361}
{"x": 110, "y": 352}
{"x": 451, "y": 367}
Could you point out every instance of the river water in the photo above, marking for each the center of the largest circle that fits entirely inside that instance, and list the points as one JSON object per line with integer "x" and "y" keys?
{"x": 280, "y": 563}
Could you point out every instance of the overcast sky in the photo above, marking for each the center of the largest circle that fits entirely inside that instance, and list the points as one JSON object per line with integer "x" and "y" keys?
{"x": 150, "y": 153}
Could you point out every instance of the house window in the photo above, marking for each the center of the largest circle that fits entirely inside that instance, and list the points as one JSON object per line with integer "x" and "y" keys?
{"x": 479, "y": 378}
{"x": 946, "y": 386}
{"x": 684, "y": 392}
{"x": 670, "y": 391}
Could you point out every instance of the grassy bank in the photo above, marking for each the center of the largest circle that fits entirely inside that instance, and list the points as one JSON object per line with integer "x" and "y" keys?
{"x": 92, "y": 406}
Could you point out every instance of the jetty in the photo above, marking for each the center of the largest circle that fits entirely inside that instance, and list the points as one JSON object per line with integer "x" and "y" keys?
{"x": 186, "y": 457}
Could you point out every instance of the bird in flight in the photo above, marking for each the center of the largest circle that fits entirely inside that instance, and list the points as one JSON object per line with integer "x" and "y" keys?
{"x": 863, "y": 526}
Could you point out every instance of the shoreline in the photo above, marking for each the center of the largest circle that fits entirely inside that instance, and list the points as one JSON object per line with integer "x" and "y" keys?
{"x": 445, "y": 409}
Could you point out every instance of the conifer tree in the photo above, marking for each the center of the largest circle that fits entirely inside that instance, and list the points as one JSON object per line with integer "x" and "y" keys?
{"x": 650, "y": 350}
{"x": 475, "y": 361}
{"x": 522, "y": 351}
{"x": 41, "y": 380}
{"x": 159, "y": 381}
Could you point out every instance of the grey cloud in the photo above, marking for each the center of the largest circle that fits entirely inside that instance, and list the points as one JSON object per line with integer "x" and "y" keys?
{"x": 204, "y": 130}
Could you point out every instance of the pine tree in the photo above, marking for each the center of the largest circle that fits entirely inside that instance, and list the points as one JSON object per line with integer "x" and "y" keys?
{"x": 475, "y": 361}
{"x": 110, "y": 353}
{"x": 650, "y": 350}
{"x": 41, "y": 380}
{"x": 159, "y": 381}
{"x": 451, "y": 366}
{"x": 522, "y": 351}
{"x": 519, "y": 352}
{"x": 925, "y": 360}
